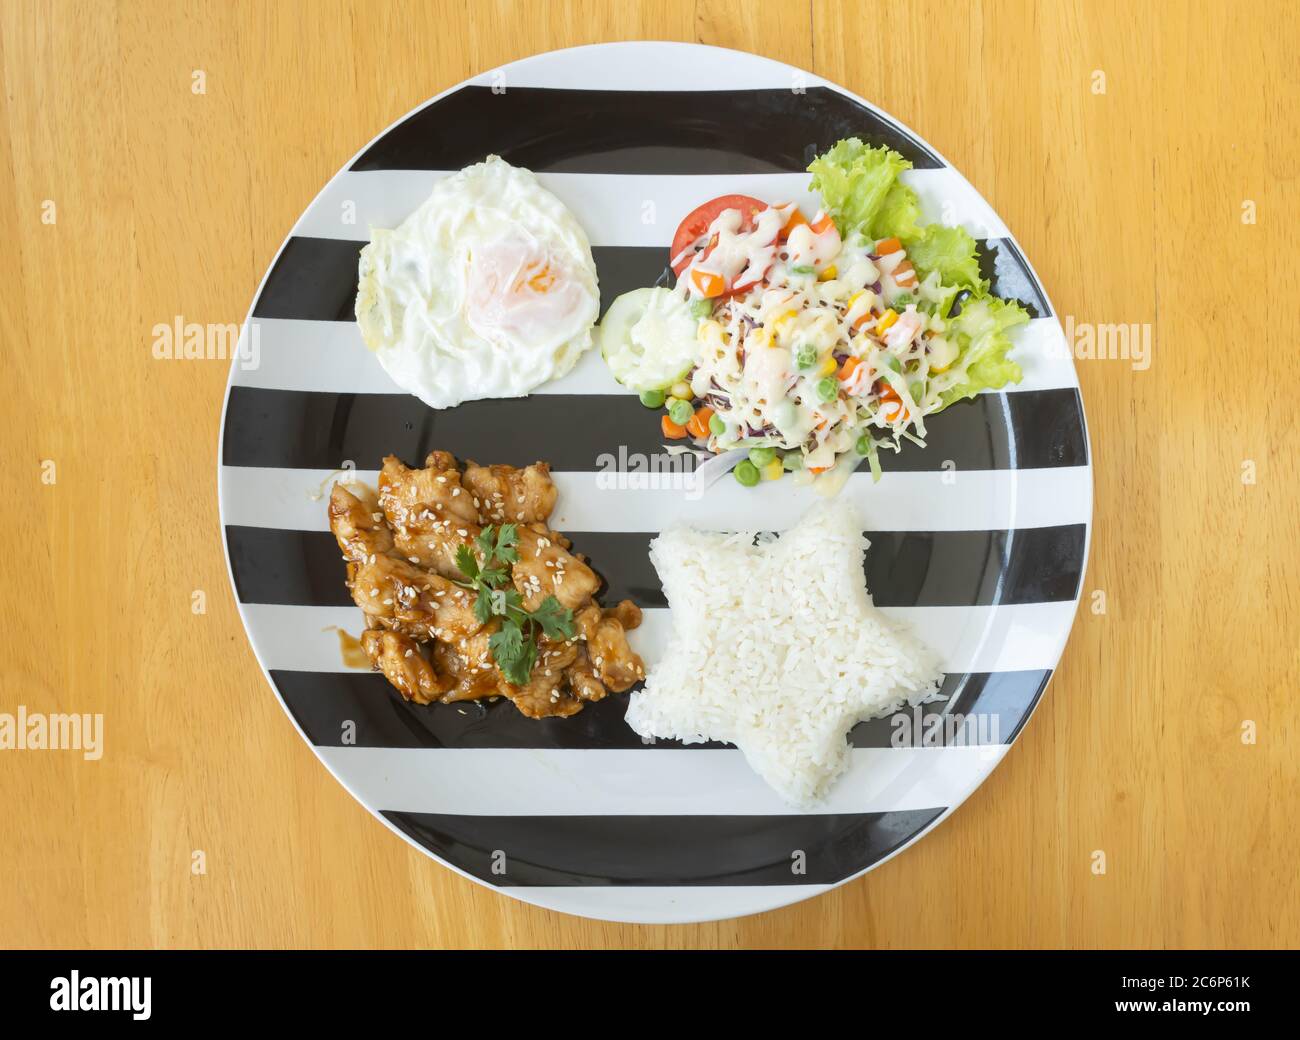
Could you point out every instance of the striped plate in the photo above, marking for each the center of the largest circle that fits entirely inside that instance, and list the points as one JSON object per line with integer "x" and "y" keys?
{"x": 978, "y": 541}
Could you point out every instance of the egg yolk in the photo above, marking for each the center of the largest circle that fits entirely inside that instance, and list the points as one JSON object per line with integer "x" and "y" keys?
{"x": 519, "y": 291}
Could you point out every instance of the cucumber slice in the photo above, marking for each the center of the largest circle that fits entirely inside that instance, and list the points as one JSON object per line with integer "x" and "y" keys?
{"x": 648, "y": 339}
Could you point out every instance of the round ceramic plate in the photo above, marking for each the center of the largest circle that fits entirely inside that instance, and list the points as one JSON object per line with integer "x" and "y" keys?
{"x": 978, "y": 541}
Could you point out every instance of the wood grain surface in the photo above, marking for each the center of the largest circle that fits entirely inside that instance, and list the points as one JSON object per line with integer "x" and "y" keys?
{"x": 1135, "y": 204}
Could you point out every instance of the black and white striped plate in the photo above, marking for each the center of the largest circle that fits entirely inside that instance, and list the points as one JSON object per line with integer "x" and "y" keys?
{"x": 978, "y": 541}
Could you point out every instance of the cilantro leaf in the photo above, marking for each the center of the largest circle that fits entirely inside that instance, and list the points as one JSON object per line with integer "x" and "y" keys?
{"x": 483, "y": 607}
{"x": 555, "y": 619}
{"x": 513, "y": 654}
{"x": 507, "y": 538}
{"x": 494, "y": 575}
{"x": 466, "y": 562}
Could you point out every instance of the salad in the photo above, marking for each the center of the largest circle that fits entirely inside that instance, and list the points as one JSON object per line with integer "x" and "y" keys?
{"x": 804, "y": 346}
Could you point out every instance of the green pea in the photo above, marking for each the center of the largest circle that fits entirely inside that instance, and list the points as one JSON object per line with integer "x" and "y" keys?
{"x": 828, "y": 389}
{"x": 806, "y": 356}
{"x": 792, "y": 461}
{"x": 863, "y": 445}
{"x": 652, "y": 398}
{"x": 701, "y": 308}
{"x": 761, "y": 457}
{"x": 717, "y": 425}
{"x": 746, "y": 473}
{"x": 902, "y": 299}
{"x": 917, "y": 390}
{"x": 680, "y": 411}
{"x": 802, "y": 269}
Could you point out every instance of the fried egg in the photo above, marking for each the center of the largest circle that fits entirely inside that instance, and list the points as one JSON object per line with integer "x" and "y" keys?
{"x": 487, "y": 290}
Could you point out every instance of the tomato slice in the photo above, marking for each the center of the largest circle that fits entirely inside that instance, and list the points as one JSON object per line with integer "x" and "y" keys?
{"x": 697, "y": 222}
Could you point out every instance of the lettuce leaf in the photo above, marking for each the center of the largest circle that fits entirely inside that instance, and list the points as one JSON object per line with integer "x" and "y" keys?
{"x": 898, "y": 216}
{"x": 980, "y": 330}
{"x": 855, "y": 180}
{"x": 861, "y": 190}
{"x": 950, "y": 251}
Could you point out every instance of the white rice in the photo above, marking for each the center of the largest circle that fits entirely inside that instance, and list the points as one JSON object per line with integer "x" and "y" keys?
{"x": 777, "y": 648}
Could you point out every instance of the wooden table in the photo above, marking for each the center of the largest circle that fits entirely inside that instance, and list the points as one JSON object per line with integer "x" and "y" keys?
{"x": 1147, "y": 161}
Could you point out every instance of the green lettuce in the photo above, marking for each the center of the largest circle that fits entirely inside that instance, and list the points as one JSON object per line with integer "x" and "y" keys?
{"x": 855, "y": 181}
{"x": 950, "y": 251}
{"x": 861, "y": 191}
{"x": 980, "y": 331}
{"x": 899, "y": 215}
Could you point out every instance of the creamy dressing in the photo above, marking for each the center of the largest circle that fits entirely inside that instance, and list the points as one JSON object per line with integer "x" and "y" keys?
{"x": 816, "y": 341}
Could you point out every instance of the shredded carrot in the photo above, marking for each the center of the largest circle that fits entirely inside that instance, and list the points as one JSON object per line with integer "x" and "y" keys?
{"x": 818, "y": 469}
{"x": 698, "y": 426}
{"x": 710, "y": 285}
{"x": 888, "y": 245}
{"x": 671, "y": 430}
{"x": 796, "y": 219}
{"x": 846, "y": 370}
{"x": 905, "y": 274}
{"x": 862, "y": 319}
{"x": 893, "y": 407}
{"x": 822, "y": 223}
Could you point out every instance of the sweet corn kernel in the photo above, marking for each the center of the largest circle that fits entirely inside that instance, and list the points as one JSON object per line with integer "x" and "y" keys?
{"x": 886, "y": 320}
{"x": 772, "y": 471}
{"x": 828, "y": 274}
{"x": 759, "y": 337}
{"x": 782, "y": 321}
{"x": 827, "y": 366}
{"x": 708, "y": 329}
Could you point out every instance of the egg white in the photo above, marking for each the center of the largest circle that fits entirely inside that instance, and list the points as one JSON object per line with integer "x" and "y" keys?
{"x": 487, "y": 290}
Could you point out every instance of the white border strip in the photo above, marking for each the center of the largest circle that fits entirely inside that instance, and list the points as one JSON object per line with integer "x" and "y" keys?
{"x": 669, "y": 782}
{"x": 966, "y": 639}
{"x": 329, "y": 357}
{"x": 981, "y": 500}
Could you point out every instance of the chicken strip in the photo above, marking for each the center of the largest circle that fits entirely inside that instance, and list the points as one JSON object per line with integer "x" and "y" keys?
{"x": 429, "y": 512}
{"x": 404, "y": 664}
{"x": 506, "y": 494}
{"x": 468, "y": 663}
{"x": 583, "y": 681}
{"x": 399, "y": 596}
{"x": 626, "y": 613}
{"x": 358, "y": 523}
{"x": 618, "y": 666}
{"x": 545, "y": 693}
{"x": 545, "y": 569}
{"x": 402, "y": 488}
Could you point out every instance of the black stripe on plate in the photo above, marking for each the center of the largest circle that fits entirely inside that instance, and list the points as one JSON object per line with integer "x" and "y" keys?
{"x": 635, "y": 131}
{"x": 992, "y": 707}
{"x": 315, "y": 279}
{"x": 662, "y": 850}
{"x": 301, "y": 429}
{"x": 1008, "y": 275}
{"x": 903, "y": 568}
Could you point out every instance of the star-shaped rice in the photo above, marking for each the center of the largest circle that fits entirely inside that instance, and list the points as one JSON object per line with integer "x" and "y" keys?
{"x": 777, "y": 648}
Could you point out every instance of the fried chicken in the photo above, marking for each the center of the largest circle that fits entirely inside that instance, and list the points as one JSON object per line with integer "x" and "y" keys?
{"x": 514, "y": 496}
{"x": 425, "y": 631}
